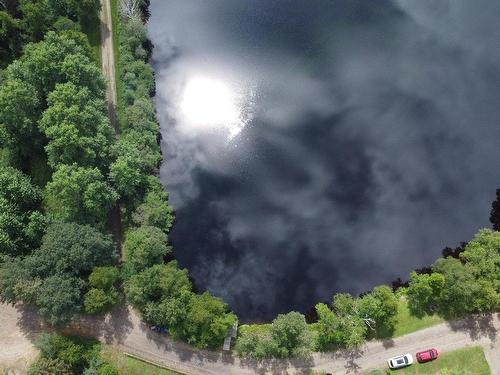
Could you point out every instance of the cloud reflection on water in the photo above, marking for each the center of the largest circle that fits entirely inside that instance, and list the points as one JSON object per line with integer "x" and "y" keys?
{"x": 372, "y": 141}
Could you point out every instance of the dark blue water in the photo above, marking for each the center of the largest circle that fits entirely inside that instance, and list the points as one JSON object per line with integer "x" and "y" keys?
{"x": 368, "y": 141}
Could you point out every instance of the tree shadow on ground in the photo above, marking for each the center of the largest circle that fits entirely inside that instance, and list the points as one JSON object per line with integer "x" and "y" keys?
{"x": 279, "y": 366}
{"x": 30, "y": 323}
{"x": 477, "y": 326}
{"x": 111, "y": 328}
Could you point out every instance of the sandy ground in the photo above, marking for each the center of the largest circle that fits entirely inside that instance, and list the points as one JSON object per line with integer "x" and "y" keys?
{"x": 16, "y": 348}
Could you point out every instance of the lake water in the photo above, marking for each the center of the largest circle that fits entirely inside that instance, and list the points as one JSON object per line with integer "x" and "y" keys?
{"x": 319, "y": 146}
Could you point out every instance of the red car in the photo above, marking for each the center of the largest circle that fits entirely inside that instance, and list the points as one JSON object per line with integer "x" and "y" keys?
{"x": 427, "y": 355}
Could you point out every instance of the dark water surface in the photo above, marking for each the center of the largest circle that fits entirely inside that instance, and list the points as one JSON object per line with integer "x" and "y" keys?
{"x": 366, "y": 139}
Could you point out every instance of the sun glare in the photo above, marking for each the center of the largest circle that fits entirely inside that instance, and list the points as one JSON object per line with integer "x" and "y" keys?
{"x": 209, "y": 103}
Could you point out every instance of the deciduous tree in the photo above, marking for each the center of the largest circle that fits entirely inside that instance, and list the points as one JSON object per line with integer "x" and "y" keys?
{"x": 424, "y": 293}
{"x": 72, "y": 249}
{"x": 155, "y": 283}
{"x": 155, "y": 211}
{"x": 79, "y": 194}
{"x": 21, "y": 225}
{"x": 77, "y": 127}
{"x": 291, "y": 335}
{"x": 145, "y": 246}
{"x": 19, "y": 113}
{"x": 59, "y": 298}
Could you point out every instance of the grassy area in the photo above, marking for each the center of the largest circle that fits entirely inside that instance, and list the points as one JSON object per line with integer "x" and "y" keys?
{"x": 468, "y": 361}
{"x": 131, "y": 366}
{"x": 91, "y": 26}
{"x": 262, "y": 329}
{"x": 116, "y": 50}
{"x": 407, "y": 323}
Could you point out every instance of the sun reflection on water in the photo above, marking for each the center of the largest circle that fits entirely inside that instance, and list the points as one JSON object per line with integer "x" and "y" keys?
{"x": 210, "y": 104}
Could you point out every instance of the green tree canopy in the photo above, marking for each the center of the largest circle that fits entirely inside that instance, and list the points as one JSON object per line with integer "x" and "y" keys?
{"x": 380, "y": 307}
{"x": 141, "y": 116}
{"x": 155, "y": 283}
{"x": 462, "y": 293}
{"x": 98, "y": 300}
{"x": 79, "y": 194}
{"x": 36, "y": 18}
{"x": 207, "y": 322}
{"x": 49, "y": 366}
{"x": 291, "y": 334}
{"x": 145, "y": 246}
{"x": 10, "y": 38}
{"x": 73, "y": 249}
{"x": 74, "y": 9}
{"x": 350, "y": 328}
{"x": 77, "y": 127}
{"x": 19, "y": 113}
{"x": 103, "y": 293}
{"x": 59, "y": 298}
{"x": 424, "y": 293}
{"x": 42, "y": 63}
{"x": 326, "y": 335}
{"x": 170, "y": 311}
{"x": 82, "y": 71}
{"x": 138, "y": 80}
{"x": 104, "y": 277}
{"x": 137, "y": 154}
{"x": 155, "y": 211}
{"x": 77, "y": 353}
{"x": 482, "y": 256}
{"x": 21, "y": 225}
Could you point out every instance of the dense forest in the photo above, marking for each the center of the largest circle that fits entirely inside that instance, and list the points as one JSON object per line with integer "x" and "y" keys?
{"x": 64, "y": 169}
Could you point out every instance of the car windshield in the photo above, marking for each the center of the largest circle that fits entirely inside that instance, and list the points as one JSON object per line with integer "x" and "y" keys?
{"x": 406, "y": 360}
{"x": 432, "y": 354}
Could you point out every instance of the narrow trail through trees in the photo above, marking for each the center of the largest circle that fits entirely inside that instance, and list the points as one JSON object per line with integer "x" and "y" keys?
{"x": 109, "y": 71}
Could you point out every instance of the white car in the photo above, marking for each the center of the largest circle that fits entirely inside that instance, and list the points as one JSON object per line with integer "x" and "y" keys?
{"x": 400, "y": 361}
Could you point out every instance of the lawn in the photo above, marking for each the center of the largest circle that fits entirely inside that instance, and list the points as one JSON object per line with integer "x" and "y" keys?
{"x": 262, "y": 329}
{"x": 408, "y": 324}
{"x": 468, "y": 361}
{"x": 131, "y": 366}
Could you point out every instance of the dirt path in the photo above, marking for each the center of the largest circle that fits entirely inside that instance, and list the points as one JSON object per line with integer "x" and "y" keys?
{"x": 16, "y": 348}
{"x": 108, "y": 62}
{"x": 109, "y": 71}
{"x": 492, "y": 354}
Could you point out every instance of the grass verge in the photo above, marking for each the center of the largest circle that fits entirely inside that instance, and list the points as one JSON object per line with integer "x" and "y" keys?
{"x": 91, "y": 26}
{"x": 468, "y": 361}
{"x": 406, "y": 323}
{"x": 131, "y": 366}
